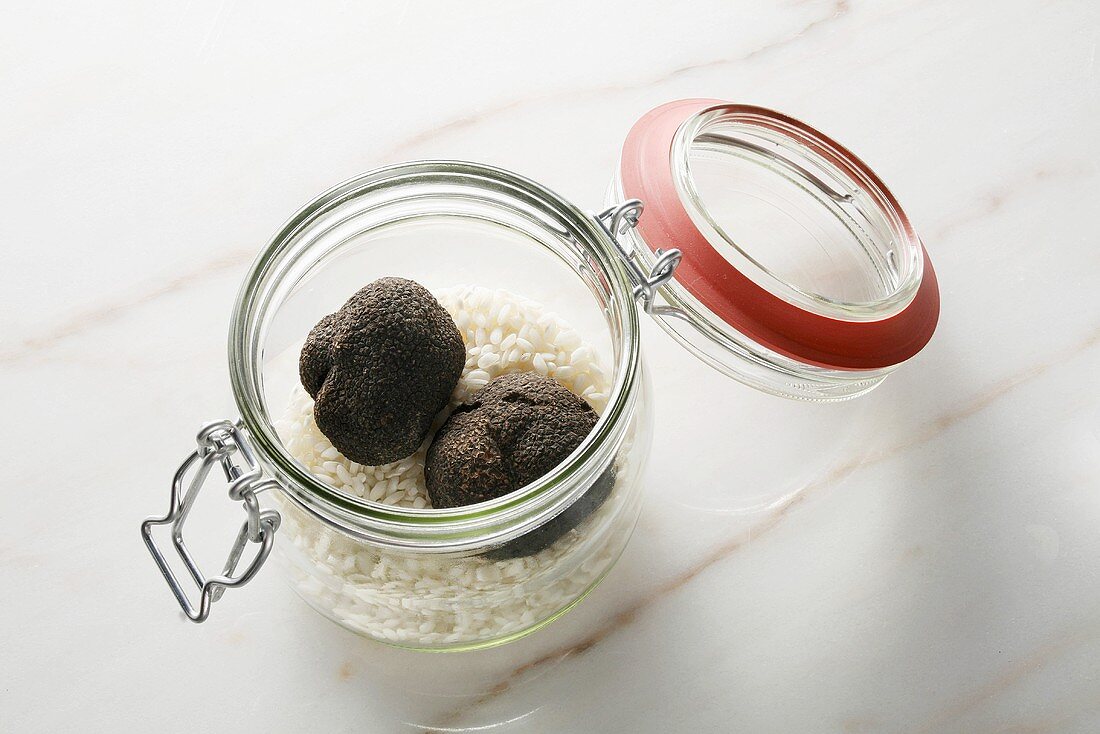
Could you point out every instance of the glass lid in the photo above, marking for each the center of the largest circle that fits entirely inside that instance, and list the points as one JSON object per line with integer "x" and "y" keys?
{"x": 798, "y": 271}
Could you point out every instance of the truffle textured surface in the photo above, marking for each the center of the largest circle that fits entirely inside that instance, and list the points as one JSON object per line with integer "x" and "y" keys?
{"x": 513, "y": 431}
{"x": 380, "y": 369}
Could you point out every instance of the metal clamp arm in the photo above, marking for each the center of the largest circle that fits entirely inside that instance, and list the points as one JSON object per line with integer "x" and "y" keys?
{"x": 618, "y": 220}
{"x": 218, "y": 442}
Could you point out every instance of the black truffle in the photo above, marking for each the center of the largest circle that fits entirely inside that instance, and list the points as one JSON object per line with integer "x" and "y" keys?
{"x": 380, "y": 369}
{"x": 513, "y": 431}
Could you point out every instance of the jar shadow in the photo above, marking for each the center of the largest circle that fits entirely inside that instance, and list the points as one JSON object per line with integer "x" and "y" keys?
{"x": 724, "y": 448}
{"x": 509, "y": 686}
{"x": 938, "y": 579}
{"x": 399, "y": 689}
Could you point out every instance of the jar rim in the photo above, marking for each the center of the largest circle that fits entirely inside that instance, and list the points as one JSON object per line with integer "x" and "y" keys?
{"x": 445, "y": 529}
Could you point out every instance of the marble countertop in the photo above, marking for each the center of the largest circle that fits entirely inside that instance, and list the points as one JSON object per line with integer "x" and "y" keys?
{"x": 926, "y": 559}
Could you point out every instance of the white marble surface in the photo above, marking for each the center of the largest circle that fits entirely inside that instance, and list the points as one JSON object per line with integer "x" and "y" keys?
{"x": 924, "y": 560}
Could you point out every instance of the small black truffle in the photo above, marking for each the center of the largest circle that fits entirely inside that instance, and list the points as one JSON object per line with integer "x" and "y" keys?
{"x": 544, "y": 535}
{"x": 380, "y": 369}
{"x": 513, "y": 431}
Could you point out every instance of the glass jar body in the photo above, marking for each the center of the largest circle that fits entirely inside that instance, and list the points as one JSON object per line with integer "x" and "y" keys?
{"x": 533, "y": 285}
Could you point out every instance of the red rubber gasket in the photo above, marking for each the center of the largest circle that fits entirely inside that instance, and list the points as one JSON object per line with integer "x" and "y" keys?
{"x": 767, "y": 319}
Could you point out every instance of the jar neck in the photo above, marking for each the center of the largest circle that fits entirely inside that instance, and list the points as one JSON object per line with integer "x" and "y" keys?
{"x": 291, "y": 254}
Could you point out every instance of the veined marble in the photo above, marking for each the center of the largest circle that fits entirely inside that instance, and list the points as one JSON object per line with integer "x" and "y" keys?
{"x": 926, "y": 559}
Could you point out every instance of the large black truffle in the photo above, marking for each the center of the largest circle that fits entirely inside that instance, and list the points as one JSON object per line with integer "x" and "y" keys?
{"x": 513, "y": 431}
{"x": 380, "y": 369}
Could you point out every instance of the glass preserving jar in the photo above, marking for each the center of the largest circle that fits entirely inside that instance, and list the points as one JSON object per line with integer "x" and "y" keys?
{"x": 765, "y": 248}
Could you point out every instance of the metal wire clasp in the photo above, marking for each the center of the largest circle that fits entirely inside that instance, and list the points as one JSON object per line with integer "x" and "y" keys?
{"x": 616, "y": 221}
{"x": 218, "y": 442}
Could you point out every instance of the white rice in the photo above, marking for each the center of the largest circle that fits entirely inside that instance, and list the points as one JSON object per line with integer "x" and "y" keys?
{"x": 432, "y": 600}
